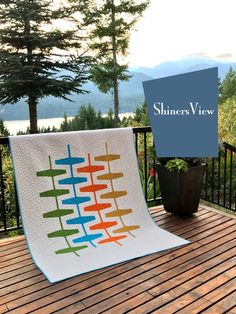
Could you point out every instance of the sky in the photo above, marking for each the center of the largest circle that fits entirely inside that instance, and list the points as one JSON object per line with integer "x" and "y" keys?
{"x": 173, "y": 29}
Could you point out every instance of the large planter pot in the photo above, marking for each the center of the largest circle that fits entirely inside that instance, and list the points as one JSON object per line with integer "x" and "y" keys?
{"x": 181, "y": 191}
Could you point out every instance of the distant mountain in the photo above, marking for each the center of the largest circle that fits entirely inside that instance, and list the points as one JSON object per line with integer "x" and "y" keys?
{"x": 131, "y": 92}
{"x": 185, "y": 65}
{"x": 131, "y": 96}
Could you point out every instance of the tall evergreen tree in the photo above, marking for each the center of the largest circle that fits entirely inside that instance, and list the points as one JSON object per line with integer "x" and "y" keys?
{"x": 116, "y": 18}
{"x": 3, "y": 129}
{"x": 36, "y": 56}
{"x": 227, "y": 88}
{"x": 87, "y": 119}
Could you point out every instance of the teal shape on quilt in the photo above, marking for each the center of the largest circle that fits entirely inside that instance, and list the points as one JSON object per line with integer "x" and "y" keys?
{"x": 76, "y": 200}
{"x": 88, "y": 238}
{"x": 80, "y": 220}
{"x": 70, "y": 161}
{"x": 73, "y": 181}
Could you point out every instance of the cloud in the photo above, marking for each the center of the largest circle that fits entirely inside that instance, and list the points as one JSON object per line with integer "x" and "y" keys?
{"x": 198, "y": 55}
{"x": 224, "y": 56}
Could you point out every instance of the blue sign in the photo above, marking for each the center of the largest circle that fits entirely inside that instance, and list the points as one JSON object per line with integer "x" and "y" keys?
{"x": 183, "y": 112}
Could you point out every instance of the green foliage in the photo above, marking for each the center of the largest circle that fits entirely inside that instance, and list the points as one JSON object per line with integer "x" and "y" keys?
{"x": 110, "y": 41}
{"x": 87, "y": 119}
{"x": 15, "y": 233}
{"x": 3, "y": 129}
{"x": 9, "y": 189}
{"x": 35, "y": 56}
{"x": 227, "y": 121}
{"x": 177, "y": 164}
{"x": 220, "y": 181}
{"x": 227, "y": 88}
{"x": 103, "y": 75}
{"x": 40, "y": 130}
{"x": 8, "y": 180}
{"x": 150, "y": 176}
{"x": 140, "y": 117}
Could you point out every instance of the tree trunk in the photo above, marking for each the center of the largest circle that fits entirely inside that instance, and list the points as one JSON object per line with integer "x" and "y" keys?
{"x": 115, "y": 81}
{"x": 116, "y": 103}
{"x": 32, "y": 102}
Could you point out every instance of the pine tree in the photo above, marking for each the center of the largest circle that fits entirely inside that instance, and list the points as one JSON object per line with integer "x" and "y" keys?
{"x": 116, "y": 18}
{"x": 38, "y": 59}
{"x": 227, "y": 87}
{"x": 88, "y": 119}
{"x": 3, "y": 129}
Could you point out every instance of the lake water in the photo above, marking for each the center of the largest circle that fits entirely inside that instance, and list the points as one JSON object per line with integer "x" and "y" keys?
{"x": 21, "y": 125}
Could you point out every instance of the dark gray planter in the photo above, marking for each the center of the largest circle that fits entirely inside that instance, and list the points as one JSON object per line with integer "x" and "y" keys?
{"x": 181, "y": 191}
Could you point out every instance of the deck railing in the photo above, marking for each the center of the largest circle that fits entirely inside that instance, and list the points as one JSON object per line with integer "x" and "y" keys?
{"x": 220, "y": 179}
{"x": 219, "y": 183}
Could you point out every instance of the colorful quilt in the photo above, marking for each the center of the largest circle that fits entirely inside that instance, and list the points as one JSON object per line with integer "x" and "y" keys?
{"x": 82, "y": 203}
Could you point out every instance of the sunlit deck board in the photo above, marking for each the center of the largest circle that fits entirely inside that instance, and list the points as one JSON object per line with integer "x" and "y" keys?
{"x": 199, "y": 277}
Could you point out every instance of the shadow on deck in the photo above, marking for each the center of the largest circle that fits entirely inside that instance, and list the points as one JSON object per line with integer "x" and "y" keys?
{"x": 199, "y": 277}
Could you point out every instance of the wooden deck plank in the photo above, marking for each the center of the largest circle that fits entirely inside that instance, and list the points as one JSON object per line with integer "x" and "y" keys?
{"x": 217, "y": 232}
{"x": 109, "y": 282}
{"x": 15, "y": 273}
{"x": 14, "y": 261}
{"x": 188, "y": 222}
{"x": 112, "y": 292}
{"x": 227, "y": 303}
{"x": 110, "y": 302}
{"x": 184, "y": 279}
{"x": 15, "y": 291}
{"x": 101, "y": 281}
{"x": 9, "y": 244}
{"x": 205, "y": 271}
{"x": 13, "y": 250}
{"x": 231, "y": 311}
{"x": 199, "y": 228}
{"x": 129, "y": 304}
{"x": 3, "y": 309}
{"x": 16, "y": 266}
{"x": 210, "y": 299}
{"x": 176, "y": 223}
{"x": 119, "y": 301}
{"x": 188, "y": 295}
{"x": 10, "y": 241}
{"x": 10, "y": 258}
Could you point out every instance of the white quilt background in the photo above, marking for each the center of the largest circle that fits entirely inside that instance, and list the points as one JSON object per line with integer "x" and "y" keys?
{"x": 31, "y": 154}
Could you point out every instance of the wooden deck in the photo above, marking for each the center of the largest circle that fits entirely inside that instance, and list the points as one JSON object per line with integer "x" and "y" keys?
{"x": 197, "y": 278}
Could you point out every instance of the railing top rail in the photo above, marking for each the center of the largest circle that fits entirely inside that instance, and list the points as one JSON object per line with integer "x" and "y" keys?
{"x": 142, "y": 128}
{"x": 4, "y": 140}
{"x": 230, "y": 147}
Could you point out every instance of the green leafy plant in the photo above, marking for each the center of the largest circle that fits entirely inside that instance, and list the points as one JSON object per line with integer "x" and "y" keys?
{"x": 149, "y": 178}
{"x": 15, "y": 233}
{"x": 227, "y": 121}
{"x": 177, "y": 165}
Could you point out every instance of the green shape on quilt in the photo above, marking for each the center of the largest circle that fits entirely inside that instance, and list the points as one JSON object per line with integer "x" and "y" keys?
{"x": 63, "y": 233}
{"x": 54, "y": 193}
{"x": 51, "y": 173}
{"x": 71, "y": 249}
{"x": 58, "y": 213}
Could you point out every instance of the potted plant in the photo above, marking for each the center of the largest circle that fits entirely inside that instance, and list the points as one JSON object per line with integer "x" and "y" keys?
{"x": 181, "y": 184}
